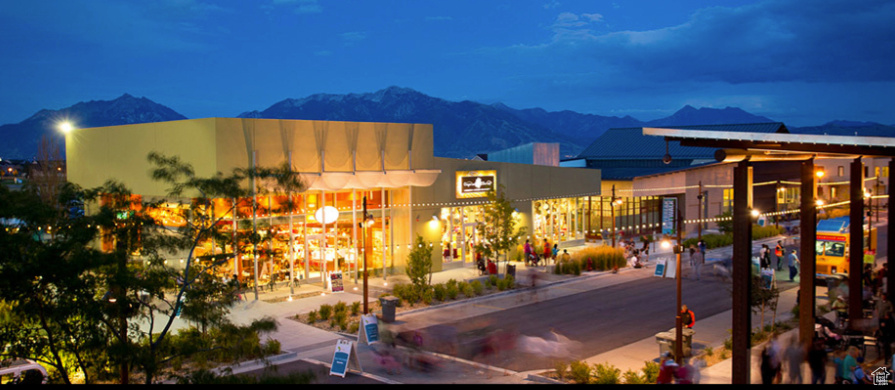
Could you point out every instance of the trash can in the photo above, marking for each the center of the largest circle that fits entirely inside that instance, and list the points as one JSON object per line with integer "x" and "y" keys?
{"x": 511, "y": 270}
{"x": 666, "y": 341}
{"x": 389, "y": 303}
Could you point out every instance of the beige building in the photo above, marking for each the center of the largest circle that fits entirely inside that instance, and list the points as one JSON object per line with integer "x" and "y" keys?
{"x": 408, "y": 190}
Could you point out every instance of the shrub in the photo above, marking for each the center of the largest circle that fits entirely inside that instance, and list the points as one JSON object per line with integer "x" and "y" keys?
{"x": 426, "y": 296}
{"x": 606, "y": 374}
{"x": 561, "y": 367}
{"x": 650, "y": 372}
{"x": 272, "y": 347}
{"x": 478, "y": 287}
{"x": 579, "y": 372}
{"x": 633, "y": 378}
{"x": 452, "y": 290}
{"x": 341, "y": 317}
{"x": 340, "y": 307}
{"x": 468, "y": 290}
{"x": 451, "y": 283}
{"x": 355, "y": 308}
{"x": 439, "y": 292}
{"x": 709, "y": 351}
{"x": 461, "y": 286}
{"x": 353, "y": 327}
{"x": 312, "y": 316}
{"x": 599, "y": 258}
{"x": 326, "y": 311}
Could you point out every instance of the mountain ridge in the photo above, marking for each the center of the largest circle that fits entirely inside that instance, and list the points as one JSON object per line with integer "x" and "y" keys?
{"x": 483, "y": 128}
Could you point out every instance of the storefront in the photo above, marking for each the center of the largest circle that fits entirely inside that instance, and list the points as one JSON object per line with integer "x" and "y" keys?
{"x": 305, "y": 235}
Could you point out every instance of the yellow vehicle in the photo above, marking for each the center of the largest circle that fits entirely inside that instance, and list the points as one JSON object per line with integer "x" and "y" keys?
{"x": 832, "y": 246}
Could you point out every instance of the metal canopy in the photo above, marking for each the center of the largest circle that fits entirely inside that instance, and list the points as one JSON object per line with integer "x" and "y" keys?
{"x": 832, "y": 145}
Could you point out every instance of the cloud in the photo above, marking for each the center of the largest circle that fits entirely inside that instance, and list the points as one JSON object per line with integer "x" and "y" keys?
{"x": 297, "y": 6}
{"x": 353, "y": 37}
{"x": 552, "y": 4}
{"x": 783, "y": 40}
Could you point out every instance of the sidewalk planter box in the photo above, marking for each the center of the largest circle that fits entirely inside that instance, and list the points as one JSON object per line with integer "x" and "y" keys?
{"x": 666, "y": 341}
{"x": 389, "y": 304}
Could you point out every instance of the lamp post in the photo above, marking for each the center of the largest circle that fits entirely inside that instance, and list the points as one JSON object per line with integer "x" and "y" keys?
{"x": 612, "y": 203}
{"x": 678, "y": 325}
{"x": 364, "y": 225}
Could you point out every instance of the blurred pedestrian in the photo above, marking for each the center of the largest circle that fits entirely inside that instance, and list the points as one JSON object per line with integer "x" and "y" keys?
{"x": 547, "y": 251}
{"x": 793, "y": 262}
{"x": 698, "y": 261}
{"x": 794, "y": 355}
{"x": 817, "y": 361}
{"x": 763, "y": 257}
{"x": 667, "y": 367}
{"x": 885, "y": 335}
{"x": 766, "y": 366}
{"x": 778, "y": 255}
{"x": 555, "y": 252}
{"x": 527, "y": 249}
{"x": 684, "y": 374}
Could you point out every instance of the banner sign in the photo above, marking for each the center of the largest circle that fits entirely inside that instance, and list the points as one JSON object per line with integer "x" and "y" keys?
{"x": 369, "y": 329}
{"x": 671, "y": 268}
{"x": 475, "y": 184}
{"x": 336, "y": 281}
{"x": 768, "y": 278}
{"x": 344, "y": 357}
{"x": 669, "y": 209}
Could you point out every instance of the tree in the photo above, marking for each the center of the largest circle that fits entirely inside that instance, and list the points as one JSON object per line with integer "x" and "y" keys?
{"x": 498, "y": 230}
{"x": 419, "y": 266}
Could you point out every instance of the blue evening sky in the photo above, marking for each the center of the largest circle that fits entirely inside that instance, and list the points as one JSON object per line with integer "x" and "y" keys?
{"x": 803, "y": 62}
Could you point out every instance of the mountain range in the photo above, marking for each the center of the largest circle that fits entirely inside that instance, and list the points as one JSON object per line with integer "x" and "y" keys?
{"x": 461, "y": 129}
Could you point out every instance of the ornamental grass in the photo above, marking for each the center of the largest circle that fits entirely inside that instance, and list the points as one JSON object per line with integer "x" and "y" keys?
{"x": 599, "y": 258}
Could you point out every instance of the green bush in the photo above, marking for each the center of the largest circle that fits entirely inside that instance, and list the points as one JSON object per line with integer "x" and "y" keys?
{"x": 452, "y": 290}
{"x": 439, "y": 292}
{"x": 579, "y": 372}
{"x": 451, "y": 283}
{"x": 461, "y": 286}
{"x": 650, "y": 372}
{"x": 561, "y": 366}
{"x": 353, "y": 327}
{"x": 633, "y": 378}
{"x": 468, "y": 291}
{"x": 606, "y": 374}
{"x": 326, "y": 311}
{"x": 426, "y": 296}
{"x": 341, "y": 317}
{"x": 478, "y": 287}
{"x": 492, "y": 280}
{"x": 340, "y": 307}
{"x": 312, "y": 316}
{"x": 272, "y": 347}
{"x": 355, "y": 308}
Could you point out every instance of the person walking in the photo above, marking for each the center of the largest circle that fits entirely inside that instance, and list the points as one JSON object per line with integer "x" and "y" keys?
{"x": 817, "y": 361}
{"x": 794, "y": 355}
{"x": 701, "y": 246}
{"x": 698, "y": 261}
{"x": 793, "y": 262}
{"x": 667, "y": 368}
{"x": 688, "y": 319}
{"x": 555, "y": 252}
{"x": 763, "y": 257}
{"x": 547, "y": 251}
{"x": 778, "y": 253}
{"x": 527, "y": 249}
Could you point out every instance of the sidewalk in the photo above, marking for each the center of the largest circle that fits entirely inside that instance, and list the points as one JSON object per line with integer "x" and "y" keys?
{"x": 303, "y": 342}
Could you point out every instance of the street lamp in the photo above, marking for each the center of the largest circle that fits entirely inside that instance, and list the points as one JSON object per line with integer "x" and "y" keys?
{"x": 65, "y": 127}
{"x": 615, "y": 201}
{"x": 367, "y": 221}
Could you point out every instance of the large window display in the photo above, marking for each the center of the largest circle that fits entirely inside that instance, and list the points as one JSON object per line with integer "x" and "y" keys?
{"x": 459, "y": 234}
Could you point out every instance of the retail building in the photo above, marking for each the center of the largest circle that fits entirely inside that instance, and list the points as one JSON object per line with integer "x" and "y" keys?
{"x": 408, "y": 191}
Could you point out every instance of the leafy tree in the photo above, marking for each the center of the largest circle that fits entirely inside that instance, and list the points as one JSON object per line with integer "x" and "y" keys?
{"x": 419, "y": 266}
{"x": 725, "y": 222}
{"x": 499, "y": 228}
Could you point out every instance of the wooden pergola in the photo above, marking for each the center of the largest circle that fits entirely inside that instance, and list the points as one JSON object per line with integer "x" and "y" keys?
{"x": 743, "y": 148}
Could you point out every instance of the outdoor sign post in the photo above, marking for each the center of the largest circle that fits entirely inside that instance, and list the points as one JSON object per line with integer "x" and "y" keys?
{"x": 369, "y": 329}
{"x": 669, "y": 207}
{"x": 344, "y": 357}
{"x": 660, "y": 268}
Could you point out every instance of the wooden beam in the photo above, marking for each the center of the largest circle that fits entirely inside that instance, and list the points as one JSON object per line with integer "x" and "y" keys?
{"x": 856, "y": 241}
{"x": 742, "y": 273}
{"x": 807, "y": 255}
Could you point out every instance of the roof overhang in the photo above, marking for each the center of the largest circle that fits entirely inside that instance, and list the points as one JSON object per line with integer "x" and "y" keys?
{"x": 779, "y": 145}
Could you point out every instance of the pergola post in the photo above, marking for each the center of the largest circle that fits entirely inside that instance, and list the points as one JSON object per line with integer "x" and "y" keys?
{"x": 742, "y": 272}
{"x": 807, "y": 253}
{"x": 856, "y": 241}
{"x": 890, "y": 238}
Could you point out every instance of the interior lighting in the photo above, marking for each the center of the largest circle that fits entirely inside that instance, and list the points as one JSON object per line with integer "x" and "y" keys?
{"x": 819, "y": 173}
{"x": 819, "y": 202}
{"x": 755, "y": 213}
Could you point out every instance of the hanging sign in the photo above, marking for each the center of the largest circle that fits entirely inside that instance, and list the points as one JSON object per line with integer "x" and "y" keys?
{"x": 336, "y": 282}
{"x": 344, "y": 358}
{"x": 768, "y": 278}
{"x": 669, "y": 207}
{"x": 475, "y": 184}
{"x": 369, "y": 329}
{"x": 660, "y": 268}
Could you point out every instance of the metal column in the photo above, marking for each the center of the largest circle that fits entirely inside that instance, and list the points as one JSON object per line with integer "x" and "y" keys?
{"x": 856, "y": 241}
{"x": 807, "y": 254}
{"x": 742, "y": 272}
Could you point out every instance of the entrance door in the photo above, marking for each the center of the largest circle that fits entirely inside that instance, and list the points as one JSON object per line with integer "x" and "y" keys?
{"x": 471, "y": 240}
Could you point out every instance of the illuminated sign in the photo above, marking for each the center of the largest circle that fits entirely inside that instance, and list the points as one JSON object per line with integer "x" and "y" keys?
{"x": 822, "y": 237}
{"x": 475, "y": 184}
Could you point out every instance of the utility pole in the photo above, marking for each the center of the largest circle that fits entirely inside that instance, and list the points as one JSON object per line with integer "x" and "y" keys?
{"x": 678, "y": 325}
{"x": 364, "y": 236}
{"x": 699, "y": 213}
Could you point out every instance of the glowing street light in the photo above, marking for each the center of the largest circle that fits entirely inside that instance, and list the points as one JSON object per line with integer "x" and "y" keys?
{"x": 65, "y": 127}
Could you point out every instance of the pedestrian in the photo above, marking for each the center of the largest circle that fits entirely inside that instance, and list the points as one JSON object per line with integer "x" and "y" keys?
{"x": 688, "y": 319}
{"x": 555, "y": 252}
{"x": 763, "y": 257}
{"x": 848, "y": 364}
{"x": 698, "y": 261}
{"x": 701, "y": 246}
{"x": 527, "y": 249}
{"x": 766, "y": 366}
{"x": 692, "y": 252}
{"x": 885, "y": 335}
{"x": 776, "y": 358}
{"x": 817, "y": 361}
{"x": 547, "y": 251}
{"x": 778, "y": 255}
{"x": 793, "y": 262}
{"x": 667, "y": 367}
{"x": 794, "y": 355}
{"x": 684, "y": 374}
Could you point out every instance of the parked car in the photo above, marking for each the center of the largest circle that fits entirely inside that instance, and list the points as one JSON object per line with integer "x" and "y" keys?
{"x": 22, "y": 371}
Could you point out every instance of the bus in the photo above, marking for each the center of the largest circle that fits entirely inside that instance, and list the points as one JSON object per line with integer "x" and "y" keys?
{"x": 832, "y": 246}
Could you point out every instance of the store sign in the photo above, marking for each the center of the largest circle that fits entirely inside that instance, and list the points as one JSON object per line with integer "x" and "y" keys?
{"x": 475, "y": 184}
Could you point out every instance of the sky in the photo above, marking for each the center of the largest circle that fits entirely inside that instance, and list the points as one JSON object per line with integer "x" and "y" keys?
{"x": 802, "y": 62}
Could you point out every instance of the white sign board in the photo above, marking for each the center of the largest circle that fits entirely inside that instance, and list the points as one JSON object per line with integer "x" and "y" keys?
{"x": 660, "y": 268}
{"x": 671, "y": 269}
{"x": 369, "y": 329}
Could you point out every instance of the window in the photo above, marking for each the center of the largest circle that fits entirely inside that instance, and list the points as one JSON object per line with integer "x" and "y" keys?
{"x": 841, "y": 170}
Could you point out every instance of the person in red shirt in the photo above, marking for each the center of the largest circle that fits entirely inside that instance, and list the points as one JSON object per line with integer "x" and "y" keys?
{"x": 667, "y": 367}
{"x": 547, "y": 251}
{"x": 688, "y": 319}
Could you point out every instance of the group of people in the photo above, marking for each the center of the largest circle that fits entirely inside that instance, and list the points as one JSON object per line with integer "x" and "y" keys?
{"x": 637, "y": 258}
{"x": 697, "y": 258}
{"x": 547, "y": 253}
{"x": 791, "y": 259}
{"x": 671, "y": 372}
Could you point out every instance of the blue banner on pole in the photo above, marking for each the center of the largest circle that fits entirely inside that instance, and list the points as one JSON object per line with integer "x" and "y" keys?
{"x": 669, "y": 211}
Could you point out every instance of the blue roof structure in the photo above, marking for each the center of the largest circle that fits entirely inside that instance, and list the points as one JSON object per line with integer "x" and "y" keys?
{"x": 839, "y": 225}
